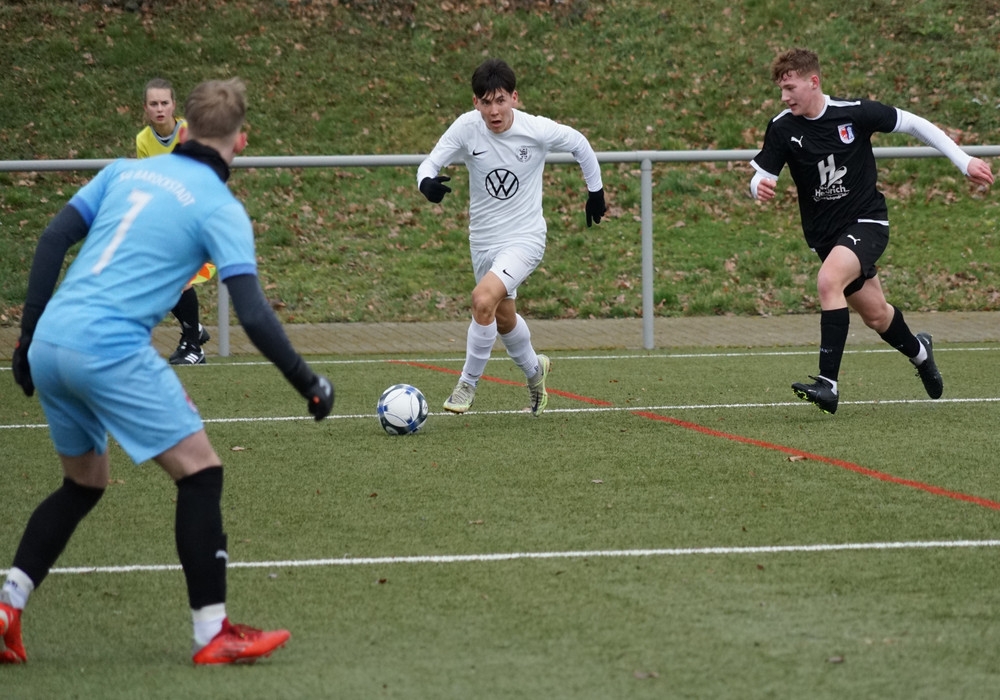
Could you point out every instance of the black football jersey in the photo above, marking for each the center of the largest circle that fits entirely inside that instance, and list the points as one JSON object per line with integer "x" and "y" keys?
{"x": 831, "y": 161}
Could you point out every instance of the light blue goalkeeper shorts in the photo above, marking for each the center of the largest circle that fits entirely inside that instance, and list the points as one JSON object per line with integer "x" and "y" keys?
{"x": 137, "y": 398}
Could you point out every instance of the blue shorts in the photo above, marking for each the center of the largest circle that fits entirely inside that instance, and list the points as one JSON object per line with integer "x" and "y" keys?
{"x": 137, "y": 398}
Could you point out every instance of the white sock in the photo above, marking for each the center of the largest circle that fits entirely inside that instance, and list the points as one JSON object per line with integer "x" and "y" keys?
{"x": 17, "y": 588}
{"x": 207, "y": 623}
{"x": 478, "y": 345}
{"x": 921, "y": 356}
{"x": 518, "y": 344}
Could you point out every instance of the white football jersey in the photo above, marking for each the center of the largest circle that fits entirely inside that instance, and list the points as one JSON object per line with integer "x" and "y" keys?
{"x": 505, "y": 172}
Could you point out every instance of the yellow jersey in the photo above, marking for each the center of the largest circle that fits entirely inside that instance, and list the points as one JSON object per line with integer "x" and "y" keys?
{"x": 148, "y": 143}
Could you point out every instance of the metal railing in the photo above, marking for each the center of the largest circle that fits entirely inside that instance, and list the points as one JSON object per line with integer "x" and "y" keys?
{"x": 644, "y": 158}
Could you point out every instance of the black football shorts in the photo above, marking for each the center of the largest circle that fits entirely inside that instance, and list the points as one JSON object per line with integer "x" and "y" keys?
{"x": 867, "y": 240}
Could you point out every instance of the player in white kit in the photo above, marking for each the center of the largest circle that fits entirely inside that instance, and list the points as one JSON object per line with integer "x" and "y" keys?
{"x": 504, "y": 150}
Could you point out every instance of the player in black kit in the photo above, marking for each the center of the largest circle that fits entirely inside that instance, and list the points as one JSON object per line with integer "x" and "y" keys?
{"x": 826, "y": 143}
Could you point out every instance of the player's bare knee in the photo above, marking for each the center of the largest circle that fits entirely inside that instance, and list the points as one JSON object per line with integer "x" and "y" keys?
{"x": 484, "y": 308}
{"x": 878, "y": 321}
{"x": 829, "y": 285}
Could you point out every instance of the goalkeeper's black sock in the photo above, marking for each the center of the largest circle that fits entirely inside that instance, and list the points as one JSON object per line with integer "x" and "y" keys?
{"x": 833, "y": 327}
{"x": 201, "y": 543}
{"x": 50, "y": 527}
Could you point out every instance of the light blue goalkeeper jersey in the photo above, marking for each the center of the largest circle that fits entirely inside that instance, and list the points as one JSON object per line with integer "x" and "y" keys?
{"x": 153, "y": 224}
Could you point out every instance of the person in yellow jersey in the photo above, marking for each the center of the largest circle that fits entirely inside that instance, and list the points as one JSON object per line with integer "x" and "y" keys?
{"x": 159, "y": 137}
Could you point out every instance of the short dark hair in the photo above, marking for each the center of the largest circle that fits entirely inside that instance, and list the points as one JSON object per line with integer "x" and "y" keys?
{"x": 802, "y": 61}
{"x": 493, "y": 75}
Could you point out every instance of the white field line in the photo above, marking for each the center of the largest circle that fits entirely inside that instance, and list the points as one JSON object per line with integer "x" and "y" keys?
{"x": 637, "y": 355}
{"x": 590, "y": 409}
{"x": 581, "y": 409}
{"x": 518, "y": 556}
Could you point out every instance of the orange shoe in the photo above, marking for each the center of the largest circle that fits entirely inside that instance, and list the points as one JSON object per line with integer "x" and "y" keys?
{"x": 12, "y": 651}
{"x": 240, "y": 644}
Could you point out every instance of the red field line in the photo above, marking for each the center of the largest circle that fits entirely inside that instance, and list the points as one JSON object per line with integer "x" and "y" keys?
{"x": 791, "y": 451}
{"x": 851, "y": 466}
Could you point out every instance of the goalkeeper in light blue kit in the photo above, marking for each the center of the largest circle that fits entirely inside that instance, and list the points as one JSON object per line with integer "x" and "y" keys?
{"x": 504, "y": 150}
{"x": 147, "y": 226}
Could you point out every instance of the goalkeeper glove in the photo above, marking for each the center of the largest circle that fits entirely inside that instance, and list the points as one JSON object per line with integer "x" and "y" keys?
{"x": 320, "y": 397}
{"x": 434, "y": 189}
{"x": 595, "y": 207}
{"x": 20, "y": 367}
{"x": 315, "y": 388}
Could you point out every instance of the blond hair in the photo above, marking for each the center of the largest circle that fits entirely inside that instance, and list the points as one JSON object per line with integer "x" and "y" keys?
{"x": 216, "y": 109}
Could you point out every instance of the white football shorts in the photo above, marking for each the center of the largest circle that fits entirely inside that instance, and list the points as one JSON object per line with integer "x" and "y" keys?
{"x": 512, "y": 264}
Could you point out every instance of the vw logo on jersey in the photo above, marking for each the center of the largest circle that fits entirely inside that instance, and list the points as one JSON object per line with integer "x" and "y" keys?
{"x": 502, "y": 184}
{"x": 846, "y": 132}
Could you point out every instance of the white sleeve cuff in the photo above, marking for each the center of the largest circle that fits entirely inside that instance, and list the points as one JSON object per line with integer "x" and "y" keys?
{"x": 757, "y": 177}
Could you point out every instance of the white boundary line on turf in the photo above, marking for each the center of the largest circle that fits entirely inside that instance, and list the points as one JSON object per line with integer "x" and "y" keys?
{"x": 579, "y": 409}
{"x": 638, "y": 355}
{"x": 516, "y": 556}
{"x": 715, "y": 406}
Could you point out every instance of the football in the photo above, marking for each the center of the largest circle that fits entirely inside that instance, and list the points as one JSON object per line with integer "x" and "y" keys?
{"x": 402, "y": 409}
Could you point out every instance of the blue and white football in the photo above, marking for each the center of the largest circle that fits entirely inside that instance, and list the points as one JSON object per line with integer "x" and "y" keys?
{"x": 402, "y": 409}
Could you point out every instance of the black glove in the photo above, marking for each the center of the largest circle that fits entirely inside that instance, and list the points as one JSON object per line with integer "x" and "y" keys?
{"x": 320, "y": 397}
{"x": 434, "y": 189}
{"x": 596, "y": 207}
{"x": 20, "y": 367}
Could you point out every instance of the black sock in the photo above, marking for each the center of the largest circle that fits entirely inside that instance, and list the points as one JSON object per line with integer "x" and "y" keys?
{"x": 899, "y": 336}
{"x": 186, "y": 311}
{"x": 201, "y": 543}
{"x": 833, "y": 326}
{"x": 50, "y": 527}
